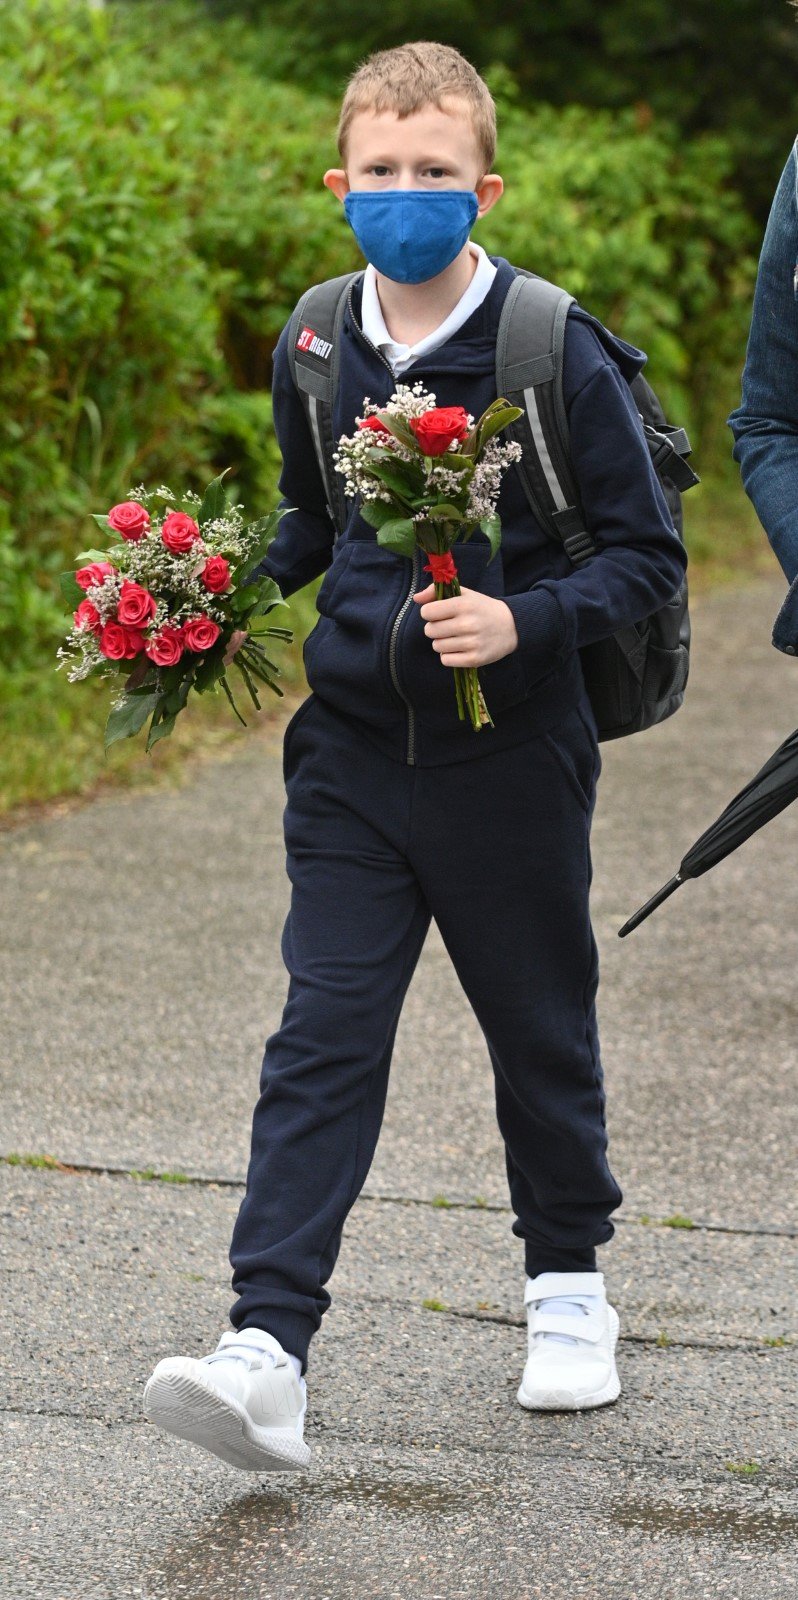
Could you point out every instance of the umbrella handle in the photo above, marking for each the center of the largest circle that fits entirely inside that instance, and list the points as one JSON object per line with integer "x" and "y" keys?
{"x": 650, "y": 905}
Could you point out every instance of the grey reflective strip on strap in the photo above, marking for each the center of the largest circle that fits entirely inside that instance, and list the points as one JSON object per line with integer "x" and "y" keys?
{"x": 530, "y": 401}
{"x": 313, "y": 412}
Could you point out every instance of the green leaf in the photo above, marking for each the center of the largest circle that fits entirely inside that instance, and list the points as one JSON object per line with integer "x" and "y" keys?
{"x": 266, "y": 528}
{"x": 214, "y": 501}
{"x": 445, "y": 512}
{"x": 377, "y": 512}
{"x": 101, "y": 519}
{"x": 209, "y": 671}
{"x": 87, "y": 556}
{"x": 408, "y": 495}
{"x": 161, "y": 730}
{"x": 70, "y": 589}
{"x": 257, "y": 597}
{"x": 491, "y": 526}
{"x": 130, "y": 717}
{"x": 398, "y": 535}
{"x": 178, "y": 697}
{"x": 498, "y": 416}
{"x": 400, "y": 430}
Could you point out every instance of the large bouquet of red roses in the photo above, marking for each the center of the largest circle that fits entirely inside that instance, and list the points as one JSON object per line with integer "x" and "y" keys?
{"x": 171, "y": 606}
{"x": 430, "y": 475}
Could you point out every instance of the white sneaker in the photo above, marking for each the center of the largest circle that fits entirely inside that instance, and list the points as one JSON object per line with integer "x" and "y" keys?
{"x": 571, "y": 1362}
{"x": 244, "y": 1402}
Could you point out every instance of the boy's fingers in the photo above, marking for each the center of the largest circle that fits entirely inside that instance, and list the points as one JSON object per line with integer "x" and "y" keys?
{"x": 440, "y": 609}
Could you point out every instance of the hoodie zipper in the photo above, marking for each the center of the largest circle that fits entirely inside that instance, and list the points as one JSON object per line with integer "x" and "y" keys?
{"x": 411, "y": 716}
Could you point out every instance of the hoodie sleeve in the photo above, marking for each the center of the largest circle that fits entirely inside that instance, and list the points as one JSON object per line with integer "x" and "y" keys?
{"x": 639, "y": 560}
{"x": 302, "y": 546}
{"x": 765, "y": 424}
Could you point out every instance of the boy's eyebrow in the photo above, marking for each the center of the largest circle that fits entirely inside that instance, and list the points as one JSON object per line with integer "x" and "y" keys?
{"x": 423, "y": 161}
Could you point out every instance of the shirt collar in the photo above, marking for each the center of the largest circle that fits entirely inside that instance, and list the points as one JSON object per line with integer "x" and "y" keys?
{"x": 373, "y": 322}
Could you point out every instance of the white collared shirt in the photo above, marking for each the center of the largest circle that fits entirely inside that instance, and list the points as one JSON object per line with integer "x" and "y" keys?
{"x": 403, "y": 355}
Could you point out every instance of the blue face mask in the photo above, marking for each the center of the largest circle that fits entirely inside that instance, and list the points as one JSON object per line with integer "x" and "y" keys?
{"x": 410, "y": 235}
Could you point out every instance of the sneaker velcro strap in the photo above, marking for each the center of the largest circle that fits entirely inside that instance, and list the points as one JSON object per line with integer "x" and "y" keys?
{"x": 590, "y": 1328}
{"x": 563, "y": 1283}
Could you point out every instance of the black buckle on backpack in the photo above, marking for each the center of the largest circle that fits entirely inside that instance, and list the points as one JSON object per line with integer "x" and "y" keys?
{"x": 579, "y": 546}
{"x": 668, "y": 450}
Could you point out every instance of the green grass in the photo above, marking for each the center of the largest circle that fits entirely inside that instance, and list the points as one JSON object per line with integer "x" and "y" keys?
{"x": 434, "y": 1305}
{"x": 16, "y": 1158}
{"x": 149, "y": 1175}
{"x": 677, "y": 1221}
{"x": 743, "y": 1469}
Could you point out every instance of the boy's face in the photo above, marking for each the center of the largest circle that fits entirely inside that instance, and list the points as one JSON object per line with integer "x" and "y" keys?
{"x": 430, "y": 149}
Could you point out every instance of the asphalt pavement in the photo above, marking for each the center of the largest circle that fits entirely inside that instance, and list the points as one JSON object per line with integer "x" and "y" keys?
{"x": 142, "y": 973}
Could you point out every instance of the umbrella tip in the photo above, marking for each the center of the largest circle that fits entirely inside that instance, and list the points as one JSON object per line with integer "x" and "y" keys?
{"x": 650, "y": 905}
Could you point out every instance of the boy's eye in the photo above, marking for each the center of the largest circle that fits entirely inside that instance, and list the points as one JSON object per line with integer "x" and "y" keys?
{"x": 437, "y": 172}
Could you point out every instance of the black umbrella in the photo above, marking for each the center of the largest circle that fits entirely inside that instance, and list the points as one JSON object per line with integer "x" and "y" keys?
{"x": 774, "y": 786}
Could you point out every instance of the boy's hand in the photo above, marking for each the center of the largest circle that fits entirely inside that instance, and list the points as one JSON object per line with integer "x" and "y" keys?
{"x": 470, "y": 629}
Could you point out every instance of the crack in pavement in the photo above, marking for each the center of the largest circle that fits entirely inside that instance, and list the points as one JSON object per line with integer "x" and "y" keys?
{"x": 204, "y": 1181}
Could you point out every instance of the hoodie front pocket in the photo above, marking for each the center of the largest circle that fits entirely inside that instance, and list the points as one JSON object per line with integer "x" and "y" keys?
{"x": 332, "y": 576}
{"x": 346, "y": 653}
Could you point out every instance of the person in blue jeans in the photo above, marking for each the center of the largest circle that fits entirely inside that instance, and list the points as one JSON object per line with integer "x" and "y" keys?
{"x": 765, "y": 424}
{"x": 397, "y": 811}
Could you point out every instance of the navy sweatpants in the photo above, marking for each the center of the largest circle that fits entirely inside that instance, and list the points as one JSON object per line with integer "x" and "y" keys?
{"x": 497, "y": 850}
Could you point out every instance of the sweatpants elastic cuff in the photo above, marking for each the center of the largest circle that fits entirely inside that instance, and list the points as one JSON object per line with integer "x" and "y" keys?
{"x": 292, "y": 1329}
{"x": 561, "y": 1261}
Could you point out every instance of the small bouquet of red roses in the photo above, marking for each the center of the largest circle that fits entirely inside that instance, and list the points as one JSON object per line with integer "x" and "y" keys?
{"x": 430, "y": 475}
{"x": 171, "y": 606}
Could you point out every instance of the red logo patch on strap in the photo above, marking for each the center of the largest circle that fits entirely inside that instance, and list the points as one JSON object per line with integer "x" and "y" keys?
{"x": 309, "y": 340}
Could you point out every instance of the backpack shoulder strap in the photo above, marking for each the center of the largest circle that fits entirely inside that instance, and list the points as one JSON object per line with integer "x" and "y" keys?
{"x": 314, "y": 361}
{"x": 529, "y": 368}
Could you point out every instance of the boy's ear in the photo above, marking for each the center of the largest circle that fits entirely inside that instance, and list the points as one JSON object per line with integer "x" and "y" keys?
{"x": 488, "y": 191}
{"x": 335, "y": 178}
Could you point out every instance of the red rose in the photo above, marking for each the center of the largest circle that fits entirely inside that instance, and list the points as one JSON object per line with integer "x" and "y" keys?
{"x": 119, "y": 643}
{"x": 200, "y": 633}
{"x": 136, "y": 606}
{"x": 435, "y": 430}
{"x": 96, "y": 573}
{"x": 216, "y": 574}
{"x": 87, "y": 616}
{"x": 165, "y": 648}
{"x": 179, "y": 532}
{"x": 129, "y": 519}
{"x": 375, "y": 425}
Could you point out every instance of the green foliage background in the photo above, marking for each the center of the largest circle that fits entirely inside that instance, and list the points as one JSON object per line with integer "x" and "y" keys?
{"x": 161, "y": 210}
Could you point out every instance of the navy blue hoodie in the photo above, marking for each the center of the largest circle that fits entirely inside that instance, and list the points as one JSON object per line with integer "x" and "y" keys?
{"x": 368, "y": 655}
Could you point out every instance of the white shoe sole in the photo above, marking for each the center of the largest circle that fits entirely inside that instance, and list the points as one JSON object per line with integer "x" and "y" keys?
{"x": 190, "y": 1407}
{"x": 563, "y": 1399}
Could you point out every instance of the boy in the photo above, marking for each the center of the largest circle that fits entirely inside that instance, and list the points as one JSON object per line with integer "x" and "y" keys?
{"x": 397, "y": 811}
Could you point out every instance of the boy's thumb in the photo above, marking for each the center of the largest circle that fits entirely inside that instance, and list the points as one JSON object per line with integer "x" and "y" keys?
{"x": 423, "y": 595}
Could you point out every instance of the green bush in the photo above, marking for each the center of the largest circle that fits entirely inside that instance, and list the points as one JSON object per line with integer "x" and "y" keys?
{"x": 161, "y": 210}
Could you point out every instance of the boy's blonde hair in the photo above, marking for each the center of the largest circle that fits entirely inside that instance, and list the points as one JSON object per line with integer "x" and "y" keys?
{"x": 411, "y": 76}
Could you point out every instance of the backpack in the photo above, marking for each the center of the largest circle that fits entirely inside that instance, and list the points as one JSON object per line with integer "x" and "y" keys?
{"x": 637, "y": 676}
